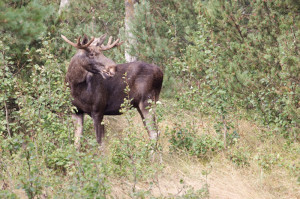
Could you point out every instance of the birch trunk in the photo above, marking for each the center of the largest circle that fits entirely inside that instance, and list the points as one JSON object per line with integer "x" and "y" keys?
{"x": 129, "y": 17}
{"x": 63, "y": 4}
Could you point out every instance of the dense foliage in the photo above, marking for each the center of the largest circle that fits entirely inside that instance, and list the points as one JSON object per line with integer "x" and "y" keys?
{"x": 245, "y": 54}
{"x": 219, "y": 58}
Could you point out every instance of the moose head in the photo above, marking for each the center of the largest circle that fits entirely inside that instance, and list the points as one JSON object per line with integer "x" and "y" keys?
{"x": 94, "y": 49}
{"x": 97, "y": 85}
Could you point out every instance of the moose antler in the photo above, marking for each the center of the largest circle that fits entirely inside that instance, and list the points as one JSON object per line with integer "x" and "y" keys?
{"x": 109, "y": 45}
{"x": 78, "y": 44}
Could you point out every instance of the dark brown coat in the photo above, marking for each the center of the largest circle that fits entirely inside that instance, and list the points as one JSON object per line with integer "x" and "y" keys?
{"x": 97, "y": 94}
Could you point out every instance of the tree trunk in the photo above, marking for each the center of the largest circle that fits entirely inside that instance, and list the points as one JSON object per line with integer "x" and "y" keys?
{"x": 131, "y": 41}
{"x": 63, "y": 4}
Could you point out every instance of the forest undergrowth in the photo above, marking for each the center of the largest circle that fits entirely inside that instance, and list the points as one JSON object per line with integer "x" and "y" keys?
{"x": 194, "y": 163}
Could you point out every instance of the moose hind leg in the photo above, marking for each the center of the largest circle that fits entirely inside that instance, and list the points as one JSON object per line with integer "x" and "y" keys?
{"x": 151, "y": 126}
{"x": 78, "y": 122}
{"x": 148, "y": 119}
{"x": 99, "y": 128}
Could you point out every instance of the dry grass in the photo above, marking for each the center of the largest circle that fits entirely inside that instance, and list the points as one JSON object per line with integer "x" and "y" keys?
{"x": 226, "y": 180}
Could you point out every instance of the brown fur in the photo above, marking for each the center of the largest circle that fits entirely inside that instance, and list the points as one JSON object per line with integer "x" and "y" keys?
{"x": 97, "y": 87}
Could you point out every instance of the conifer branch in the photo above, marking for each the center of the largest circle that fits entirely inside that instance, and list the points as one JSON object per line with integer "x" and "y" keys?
{"x": 237, "y": 27}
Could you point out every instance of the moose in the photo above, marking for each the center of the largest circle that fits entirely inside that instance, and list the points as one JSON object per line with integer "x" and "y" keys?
{"x": 98, "y": 85}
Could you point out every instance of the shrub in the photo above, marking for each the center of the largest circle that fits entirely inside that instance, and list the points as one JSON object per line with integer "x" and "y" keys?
{"x": 240, "y": 157}
{"x": 202, "y": 146}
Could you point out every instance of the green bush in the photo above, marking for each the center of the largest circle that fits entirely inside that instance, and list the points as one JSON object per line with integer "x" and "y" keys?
{"x": 7, "y": 194}
{"x": 240, "y": 157}
{"x": 202, "y": 146}
{"x": 267, "y": 160}
{"x": 131, "y": 155}
{"x": 245, "y": 54}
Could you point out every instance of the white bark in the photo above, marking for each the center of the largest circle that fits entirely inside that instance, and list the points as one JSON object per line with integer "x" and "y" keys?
{"x": 63, "y": 5}
{"x": 78, "y": 122}
{"x": 130, "y": 40}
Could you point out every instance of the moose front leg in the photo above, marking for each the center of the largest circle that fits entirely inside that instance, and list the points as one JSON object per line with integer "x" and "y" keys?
{"x": 78, "y": 122}
{"x": 99, "y": 128}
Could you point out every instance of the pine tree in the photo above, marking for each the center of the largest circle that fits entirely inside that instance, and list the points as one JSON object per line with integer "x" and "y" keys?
{"x": 149, "y": 46}
{"x": 255, "y": 56}
{"x": 22, "y": 24}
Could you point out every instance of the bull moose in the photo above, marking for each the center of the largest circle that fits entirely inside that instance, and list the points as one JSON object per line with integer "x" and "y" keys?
{"x": 97, "y": 85}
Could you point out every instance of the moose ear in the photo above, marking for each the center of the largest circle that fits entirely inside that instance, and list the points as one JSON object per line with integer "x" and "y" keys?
{"x": 85, "y": 40}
